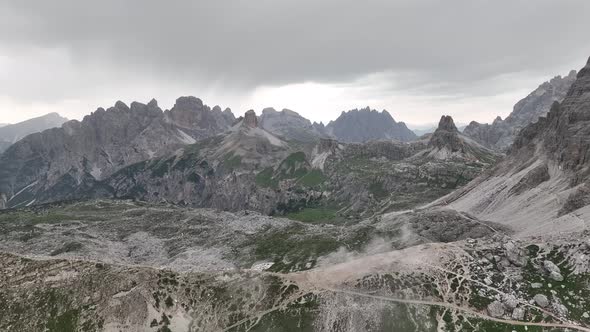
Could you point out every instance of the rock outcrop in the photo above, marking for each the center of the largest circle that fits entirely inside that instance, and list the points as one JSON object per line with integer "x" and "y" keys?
{"x": 446, "y": 136}
{"x": 501, "y": 133}
{"x": 359, "y": 126}
{"x": 448, "y": 143}
{"x": 10, "y": 134}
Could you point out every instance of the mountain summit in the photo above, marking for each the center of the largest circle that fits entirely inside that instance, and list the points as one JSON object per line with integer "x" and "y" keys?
{"x": 358, "y": 126}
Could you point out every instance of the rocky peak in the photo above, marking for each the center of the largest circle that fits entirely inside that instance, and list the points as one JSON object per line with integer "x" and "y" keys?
{"x": 188, "y": 103}
{"x": 446, "y": 123}
{"x": 121, "y": 106}
{"x": 153, "y": 103}
{"x": 250, "y": 119}
{"x": 446, "y": 136}
{"x": 363, "y": 125}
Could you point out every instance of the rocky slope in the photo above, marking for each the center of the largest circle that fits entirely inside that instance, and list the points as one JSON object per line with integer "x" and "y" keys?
{"x": 110, "y": 266}
{"x": 501, "y": 133}
{"x": 542, "y": 186}
{"x": 10, "y": 134}
{"x": 509, "y": 251}
{"x": 60, "y": 162}
{"x": 359, "y": 126}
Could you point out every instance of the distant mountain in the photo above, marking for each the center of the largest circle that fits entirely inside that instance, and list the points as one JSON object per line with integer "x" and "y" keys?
{"x": 4, "y": 124}
{"x": 290, "y": 125}
{"x": 59, "y": 161}
{"x": 501, "y": 133}
{"x": 358, "y": 126}
{"x": 447, "y": 142}
{"x": 11, "y": 133}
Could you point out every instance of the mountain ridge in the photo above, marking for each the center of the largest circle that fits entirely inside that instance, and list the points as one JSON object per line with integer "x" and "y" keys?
{"x": 11, "y": 133}
{"x": 362, "y": 125}
{"x": 500, "y": 134}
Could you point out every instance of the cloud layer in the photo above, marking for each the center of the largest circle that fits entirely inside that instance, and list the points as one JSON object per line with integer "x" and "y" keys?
{"x": 385, "y": 52}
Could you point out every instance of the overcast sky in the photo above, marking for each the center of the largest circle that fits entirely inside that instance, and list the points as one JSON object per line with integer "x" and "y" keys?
{"x": 471, "y": 59}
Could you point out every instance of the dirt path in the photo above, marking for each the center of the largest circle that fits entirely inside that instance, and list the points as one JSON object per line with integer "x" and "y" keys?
{"x": 462, "y": 309}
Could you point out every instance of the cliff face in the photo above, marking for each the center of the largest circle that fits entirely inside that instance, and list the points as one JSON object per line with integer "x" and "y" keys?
{"x": 358, "y": 126}
{"x": 501, "y": 133}
{"x": 78, "y": 154}
{"x": 543, "y": 184}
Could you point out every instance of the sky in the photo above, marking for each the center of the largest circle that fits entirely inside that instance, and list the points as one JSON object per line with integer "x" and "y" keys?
{"x": 418, "y": 59}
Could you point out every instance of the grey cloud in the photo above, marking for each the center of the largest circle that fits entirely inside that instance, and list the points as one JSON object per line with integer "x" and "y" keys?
{"x": 272, "y": 42}
{"x": 438, "y": 47}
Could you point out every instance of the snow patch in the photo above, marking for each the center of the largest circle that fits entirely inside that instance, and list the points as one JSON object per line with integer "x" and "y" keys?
{"x": 319, "y": 160}
{"x": 22, "y": 190}
{"x": 96, "y": 172}
{"x": 186, "y": 138}
{"x": 262, "y": 266}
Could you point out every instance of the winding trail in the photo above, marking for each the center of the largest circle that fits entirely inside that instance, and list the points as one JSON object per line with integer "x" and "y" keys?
{"x": 462, "y": 309}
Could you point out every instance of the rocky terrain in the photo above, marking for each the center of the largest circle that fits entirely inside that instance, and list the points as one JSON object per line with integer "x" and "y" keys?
{"x": 259, "y": 230}
{"x": 501, "y": 133}
{"x": 11, "y": 133}
{"x": 359, "y": 126}
{"x": 112, "y": 265}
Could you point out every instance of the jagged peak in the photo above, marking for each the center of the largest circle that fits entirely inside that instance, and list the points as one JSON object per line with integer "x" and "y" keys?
{"x": 121, "y": 106}
{"x": 250, "y": 119}
{"x": 446, "y": 123}
{"x": 187, "y": 102}
{"x": 153, "y": 103}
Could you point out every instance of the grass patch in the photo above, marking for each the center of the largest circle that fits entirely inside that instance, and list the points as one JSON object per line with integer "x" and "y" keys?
{"x": 313, "y": 178}
{"x": 376, "y": 188}
{"x": 317, "y": 214}
{"x": 232, "y": 161}
{"x": 265, "y": 178}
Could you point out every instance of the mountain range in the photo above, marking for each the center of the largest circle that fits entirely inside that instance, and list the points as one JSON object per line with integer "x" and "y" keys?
{"x": 190, "y": 219}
